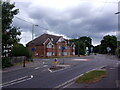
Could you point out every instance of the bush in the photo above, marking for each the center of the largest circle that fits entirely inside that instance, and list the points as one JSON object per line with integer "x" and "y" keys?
{"x": 118, "y": 52}
{"x": 6, "y": 62}
{"x": 20, "y": 50}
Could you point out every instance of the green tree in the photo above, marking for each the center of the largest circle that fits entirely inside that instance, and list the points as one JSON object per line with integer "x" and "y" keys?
{"x": 96, "y": 49}
{"x": 80, "y": 47}
{"x": 108, "y": 41}
{"x": 10, "y": 33}
{"x": 87, "y": 41}
{"x": 81, "y": 44}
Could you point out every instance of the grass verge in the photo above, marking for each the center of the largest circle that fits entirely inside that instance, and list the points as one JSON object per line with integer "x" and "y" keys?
{"x": 92, "y": 77}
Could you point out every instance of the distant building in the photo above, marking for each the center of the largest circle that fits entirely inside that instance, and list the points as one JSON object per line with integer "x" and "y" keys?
{"x": 48, "y": 45}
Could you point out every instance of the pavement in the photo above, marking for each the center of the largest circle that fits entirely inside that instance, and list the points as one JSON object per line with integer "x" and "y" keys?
{"x": 19, "y": 66}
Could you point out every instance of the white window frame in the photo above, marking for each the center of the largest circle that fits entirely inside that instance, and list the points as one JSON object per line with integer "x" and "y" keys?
{"x": 49, "y": 45}
{"x": 60, "y": 39}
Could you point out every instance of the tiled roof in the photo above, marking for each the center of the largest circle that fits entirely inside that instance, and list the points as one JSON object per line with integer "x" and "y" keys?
{"x": 41, "y": 39}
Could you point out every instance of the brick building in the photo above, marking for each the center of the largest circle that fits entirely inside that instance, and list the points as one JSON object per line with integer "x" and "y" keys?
{"x": 48, "y": 45}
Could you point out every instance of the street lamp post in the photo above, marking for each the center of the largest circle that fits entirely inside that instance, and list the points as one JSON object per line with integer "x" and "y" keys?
{"x": 33, "y": 30}
{"x": 79, "y": 47}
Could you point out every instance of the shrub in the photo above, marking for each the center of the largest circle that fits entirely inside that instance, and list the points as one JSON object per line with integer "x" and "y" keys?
{"x": 6, "y": 62}
{"x": 20, "y": 50}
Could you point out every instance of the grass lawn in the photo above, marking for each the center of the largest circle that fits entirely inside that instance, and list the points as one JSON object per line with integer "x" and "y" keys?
{"x": 92, "y": 77}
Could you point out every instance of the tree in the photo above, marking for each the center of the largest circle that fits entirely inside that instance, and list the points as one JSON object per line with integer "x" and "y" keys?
{"x": 87, "y": 41}
{"x": 108, "y": 41}
{"x": 81, "y": 44}
{"x": 96, "y": 49}
{"x": 10, "y": 33}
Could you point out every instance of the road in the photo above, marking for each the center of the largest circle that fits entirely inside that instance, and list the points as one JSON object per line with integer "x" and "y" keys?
{"x": 41, "y": 77}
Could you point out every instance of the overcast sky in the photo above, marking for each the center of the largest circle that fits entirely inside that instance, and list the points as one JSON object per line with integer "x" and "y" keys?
{"x": 69, "y": 18}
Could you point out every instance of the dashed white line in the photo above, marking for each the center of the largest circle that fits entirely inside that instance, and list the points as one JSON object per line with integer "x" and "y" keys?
{"x": 19, "y": 80}
{"x": 45, "y": 65}
{"x": 37, "y": 67}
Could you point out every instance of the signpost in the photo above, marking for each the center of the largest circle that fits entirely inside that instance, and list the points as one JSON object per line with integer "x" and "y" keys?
{"x": 108, "y": 49}
{"x": 63, "y": 48}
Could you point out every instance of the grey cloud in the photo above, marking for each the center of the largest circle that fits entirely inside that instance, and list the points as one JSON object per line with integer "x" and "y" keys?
{"x": 81, "y": 20}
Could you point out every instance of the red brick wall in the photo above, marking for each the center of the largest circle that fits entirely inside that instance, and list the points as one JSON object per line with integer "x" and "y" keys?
{"x": 42, "y": 50}
{"x": 37, "y": 49}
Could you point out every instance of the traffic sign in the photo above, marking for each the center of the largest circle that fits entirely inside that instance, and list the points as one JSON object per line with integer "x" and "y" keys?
{"x": 55, "y": 61}
{"x": 63, "y": 48}
{"x": 33, "y": 49}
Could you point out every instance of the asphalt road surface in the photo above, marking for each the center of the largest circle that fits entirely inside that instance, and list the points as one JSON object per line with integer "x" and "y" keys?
{"x": 41, "y": 77}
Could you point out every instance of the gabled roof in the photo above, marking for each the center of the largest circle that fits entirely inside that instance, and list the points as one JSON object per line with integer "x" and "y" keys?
{"x": 41, "y": 39}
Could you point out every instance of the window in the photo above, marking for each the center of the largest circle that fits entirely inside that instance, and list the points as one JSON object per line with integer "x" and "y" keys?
{"x": 59, "y": 53}
{"x": 73, "y": 53}
{"x": 53, "y": 53}
{"x": 49, "y": 53}
{"x": 36, "y": 54}
{"x": 59, "y": 47}
{"x": 49, "y": 46}
{"x": 66, "y": 47}
{"x": 68, "y": 53}
{"x": 64, "y": 53}
{"x": 73, "y": 46}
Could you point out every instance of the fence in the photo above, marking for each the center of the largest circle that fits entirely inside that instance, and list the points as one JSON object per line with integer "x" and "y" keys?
{"x": 14, "y": 60}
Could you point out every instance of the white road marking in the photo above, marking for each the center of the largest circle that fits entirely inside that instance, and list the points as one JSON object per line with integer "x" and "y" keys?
{"x": 37, "y": 67}
{"x": 45, "y": 65}
{"x": 57, "y": 70}
{"x": 49, "y": 70}
{"x": 19, "y": 80}
{"x": 41, "y": 67}
{"x": 68, "y": 84}
{"x": 15, "y": 80}
{"x": 71, "y": 80}
{"x": 43, "y": 62}
{"x": 81, "y": 59}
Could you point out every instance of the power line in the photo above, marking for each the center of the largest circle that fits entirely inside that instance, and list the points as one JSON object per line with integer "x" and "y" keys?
{"x": 23, "y": 20}
{"x": 30, "y": 23}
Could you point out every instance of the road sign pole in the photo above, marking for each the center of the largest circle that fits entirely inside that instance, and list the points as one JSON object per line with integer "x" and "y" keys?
{"x": 24, "y": 62}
